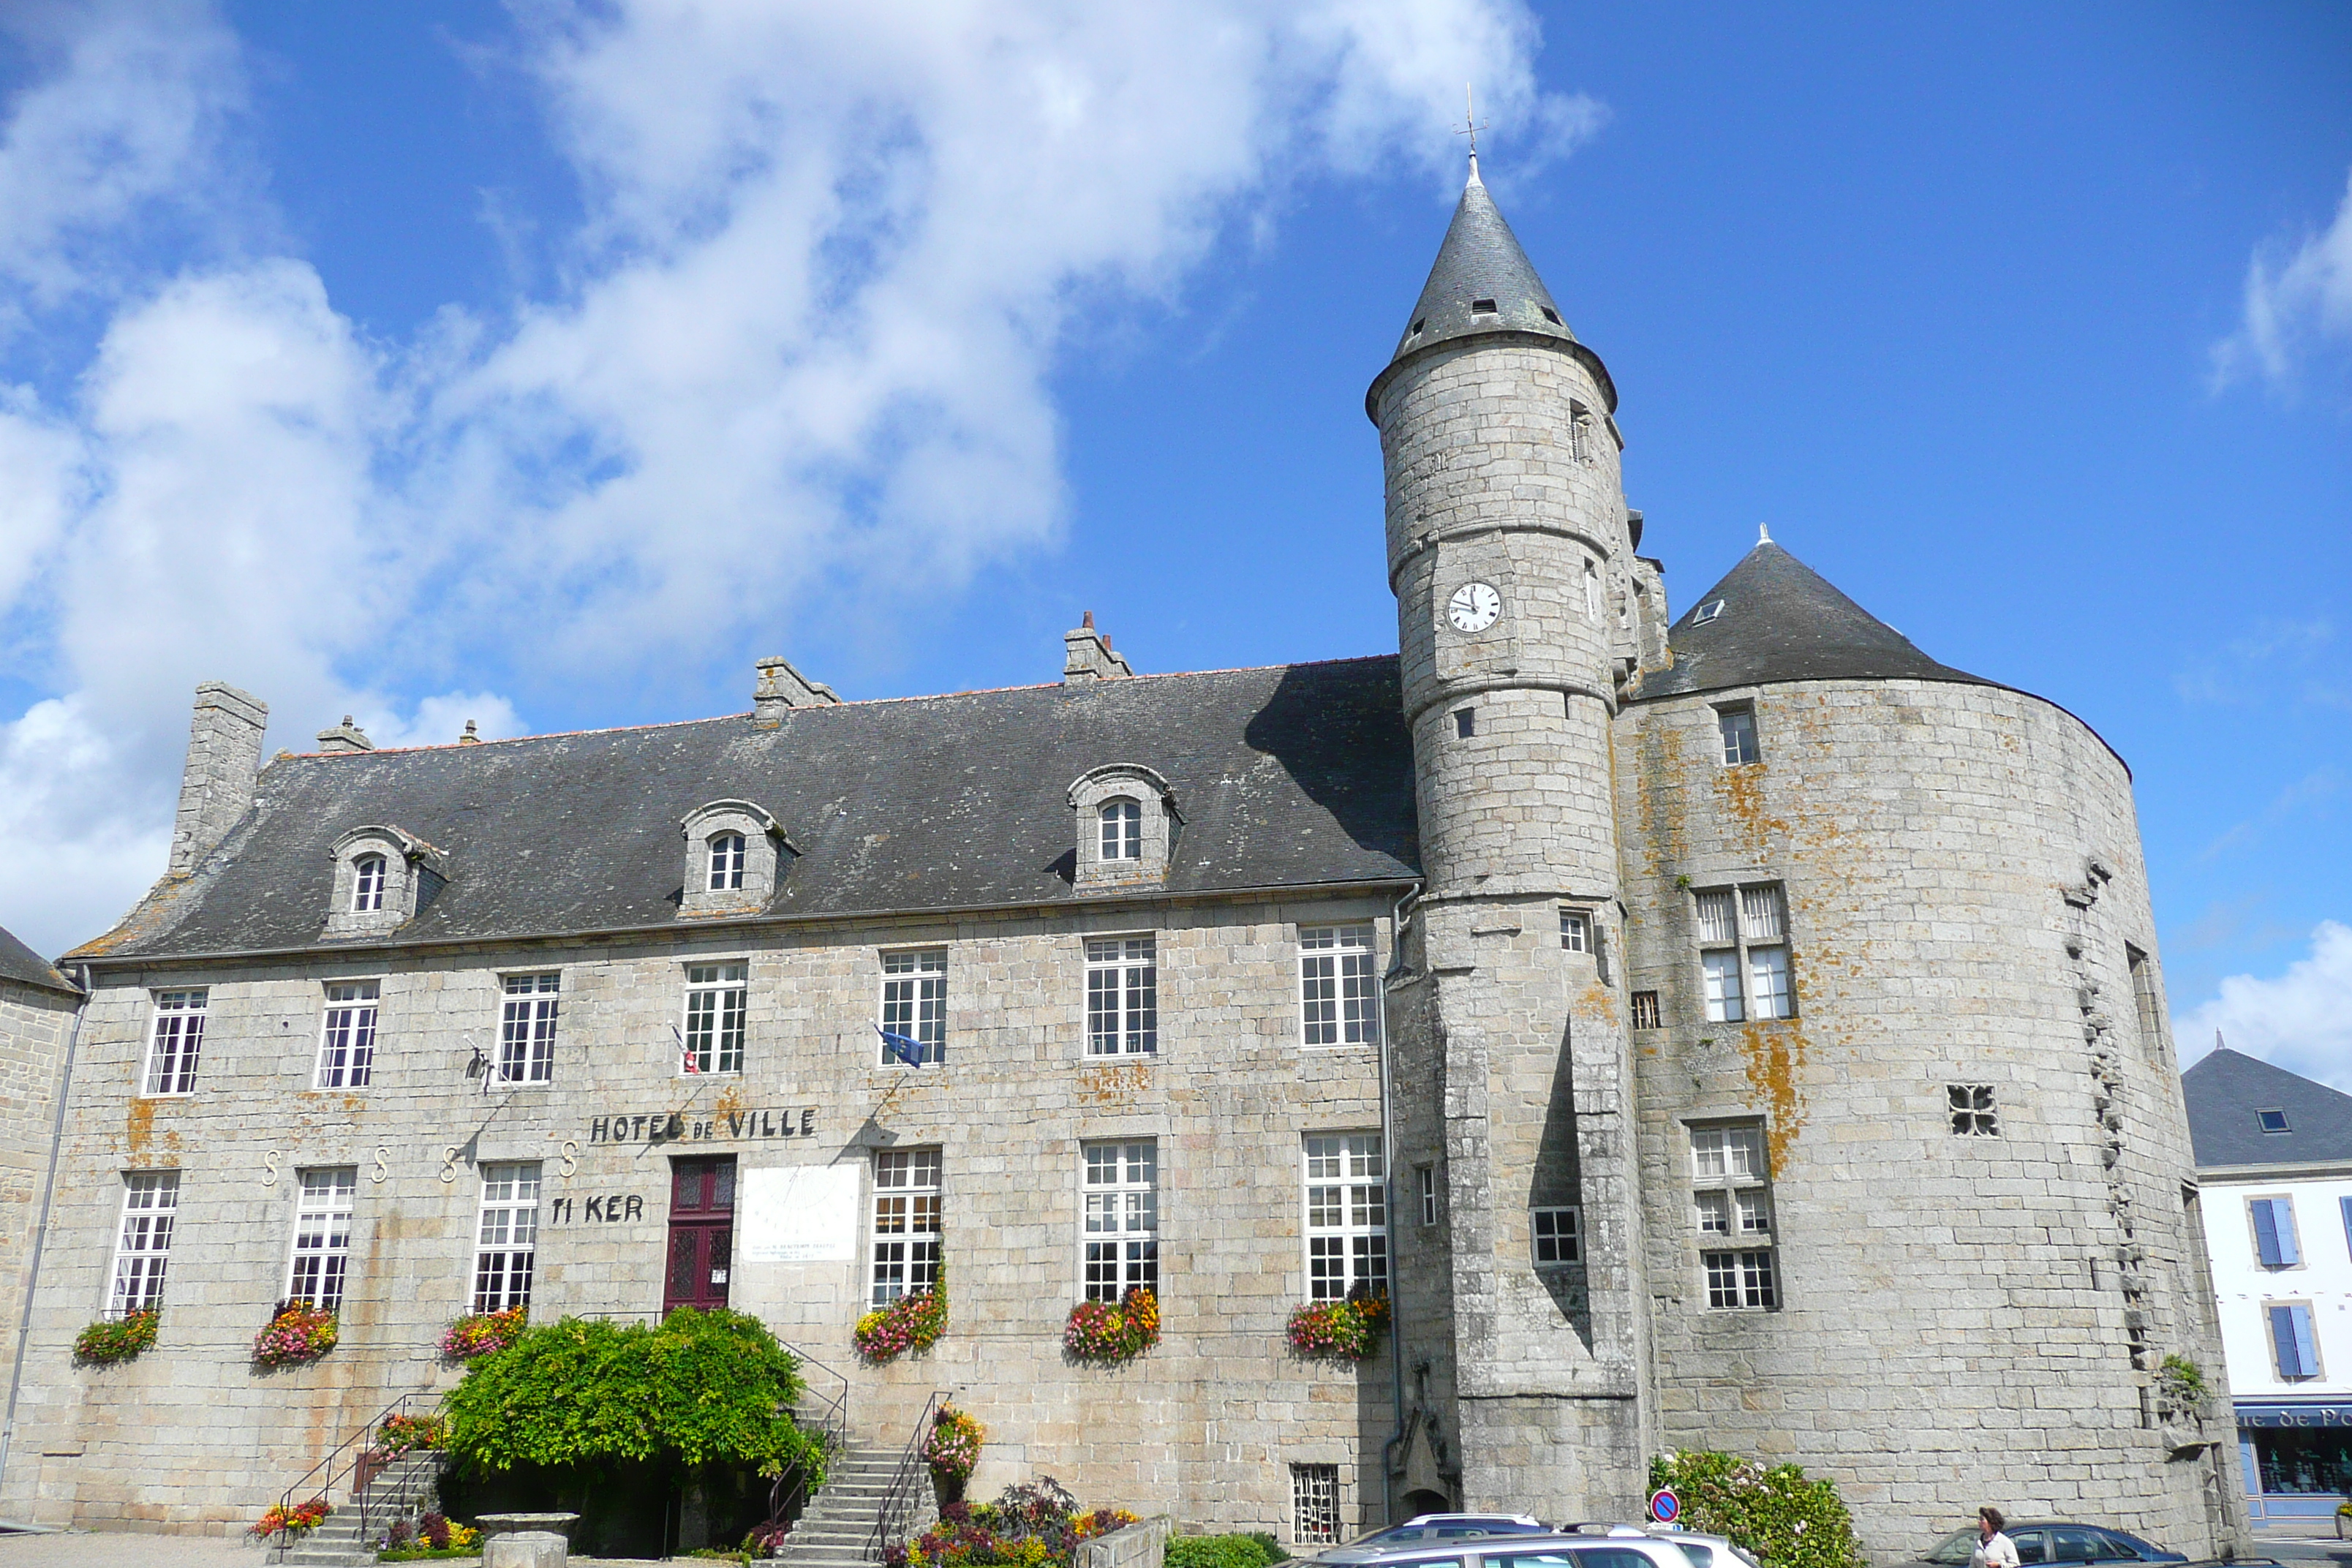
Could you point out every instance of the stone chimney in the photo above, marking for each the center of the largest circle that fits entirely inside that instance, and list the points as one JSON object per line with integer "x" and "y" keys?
{"x": 1088, "y": 656}
{"x": 223, "y": 758}
{"x": 345, "y": 737}
{"x": 782, "y": 687}
{"x": 469, "y": 738}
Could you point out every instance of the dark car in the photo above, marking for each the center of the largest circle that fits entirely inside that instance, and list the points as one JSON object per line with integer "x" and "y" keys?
{"x": 2048, "y": 1542}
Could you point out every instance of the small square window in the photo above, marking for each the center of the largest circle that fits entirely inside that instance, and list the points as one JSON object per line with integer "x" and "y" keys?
{"x": 1645, "y": 1010}
{"x": 1465, "y": 723}
{"x": 1559, "y": 1235}
{"x": 1315, "y": 1504}
{"x": 1482, "y": 307}
{"x": 1972, "y": 1111}
{"x": 2272, "y": 1121}
{"x": 1736, "y": 726}
{"x": 1576, "y": 930}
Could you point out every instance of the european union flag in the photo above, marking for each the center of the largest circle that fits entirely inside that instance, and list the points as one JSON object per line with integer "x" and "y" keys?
{"x": 905, "y": 1047}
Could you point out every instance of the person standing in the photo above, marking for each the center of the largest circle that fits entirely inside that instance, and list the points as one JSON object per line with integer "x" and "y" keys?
{"x": 1994, "y": 1550}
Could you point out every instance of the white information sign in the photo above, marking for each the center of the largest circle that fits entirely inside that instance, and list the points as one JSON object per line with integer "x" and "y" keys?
{"x": 798, "y": 1214}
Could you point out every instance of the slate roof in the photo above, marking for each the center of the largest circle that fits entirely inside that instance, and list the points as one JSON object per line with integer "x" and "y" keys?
{"x": 1480, "y": 260}
{"x": 1298, "y": 775}
{"x": 21, "y": 963}
{"x": 1783, "y": 621}
{"x": 2226, "y": 1089}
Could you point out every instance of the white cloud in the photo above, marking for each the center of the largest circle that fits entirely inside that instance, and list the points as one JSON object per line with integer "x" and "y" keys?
{"x": 804, "y": 338}
{"x": 2296, "y": 301}
{"x": 2301, "y": 1020}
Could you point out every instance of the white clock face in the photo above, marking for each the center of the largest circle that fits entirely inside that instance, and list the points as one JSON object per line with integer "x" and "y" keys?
{"x": 1474, "y": 607}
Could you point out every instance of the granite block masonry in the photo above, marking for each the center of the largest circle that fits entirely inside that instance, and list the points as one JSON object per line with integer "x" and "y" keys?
{"x": 1738, "y": 1030}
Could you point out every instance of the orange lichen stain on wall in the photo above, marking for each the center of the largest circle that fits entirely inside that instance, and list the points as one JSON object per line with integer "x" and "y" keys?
{"x": 730, "y": 1101}
{"x": 1740, "y": 792}
{"x": 1114, "y": 1085}
{"x": 139, "y": 1126}
{"x": 1774, "y": 1055}
{"x": 1658, "y": 795}
{"x": 1595, "y": 1003}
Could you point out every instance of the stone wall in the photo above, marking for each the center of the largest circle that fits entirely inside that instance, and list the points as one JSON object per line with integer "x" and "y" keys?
{"x": 189, "y": 1436}
{"x": 1963, "y": 1320}
{"x": 34, "y": 1026}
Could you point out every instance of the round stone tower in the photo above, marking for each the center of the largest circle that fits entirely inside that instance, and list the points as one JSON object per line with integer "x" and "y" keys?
{"x": 1509, "y": 554}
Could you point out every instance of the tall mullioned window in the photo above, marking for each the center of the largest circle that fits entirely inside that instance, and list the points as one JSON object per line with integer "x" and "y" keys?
{"x": 367, "y": 884}
{"x": 1347, "y": 1215}
{"x": 1338, "y": 986}
{"x": 527, "y": 1028}
{"x": 1122, "y": 829}
{"x": 915, "y": 1001}
{"x": 716, "y": 1005}
{"x": 727, "y": 857}
{"x": 1743, "y": 954}
{"x": 907, "y": 1227}
{"x": 143, "y": 1248}
{"x": 1731, "y": 1201}
{"x": 1121, "y": 1240}
{"x": 507, "y": 1243}
{"x": 322, "y": 1238}
{"x": 174, "y": 1041}
{"x": 347, "y": 1040}
{"x": 1122, "y": 996}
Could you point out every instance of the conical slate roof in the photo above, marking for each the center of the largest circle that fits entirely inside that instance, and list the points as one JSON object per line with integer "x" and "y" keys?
{"x": 1482, "y": 282}
{"x": 1780, "y": 620}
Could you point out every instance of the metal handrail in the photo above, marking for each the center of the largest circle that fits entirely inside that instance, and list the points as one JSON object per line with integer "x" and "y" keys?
{"x": 897, "y": 1504}
{"x": 331, "y": 1463}
{"x": 832, "y": 1424}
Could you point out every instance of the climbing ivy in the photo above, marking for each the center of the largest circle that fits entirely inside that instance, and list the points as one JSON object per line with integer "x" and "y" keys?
{"x": 1785, "y": 1519}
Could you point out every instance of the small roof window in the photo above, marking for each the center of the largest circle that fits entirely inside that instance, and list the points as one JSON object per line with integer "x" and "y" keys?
{"x": 1549, "y": 314}
{"x": 2272, "y": 1121}
{"x": 1706, "y": 612}
{"x": 1482, "y": 307}
{"x": 1417, "y": 326}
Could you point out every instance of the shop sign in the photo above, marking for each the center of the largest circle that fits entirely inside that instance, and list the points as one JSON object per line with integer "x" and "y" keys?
{"x": 2295, "y": 1416}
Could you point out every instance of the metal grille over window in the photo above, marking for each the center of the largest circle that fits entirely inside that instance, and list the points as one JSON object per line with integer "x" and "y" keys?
{"x": 906, "y": 1222}
{"x": 347, "y": 1047}
{"x": 1972, "y": 1110}
{"x": 322, "y": 1238}
{"x": 367, "y": 884}
{"x": 1347, "y": 1216}
{"x": 1337, "y": 988}
{"x": 1122, "y": 996}
{"x": 1315, "y": 1504}
{"x": 1122, "y": 829}
{"x": 1645, "y": 1010}
{"x": 178, "y": 1040}
{"x": 716, "y": 1004}
{"x": 915, "y": 1001}
{"x": 151, "y": 1200}
{"x": 1738, "y": 728}
{"x": 527, "y": 1028}
{"x": 1731, "y": 1204}
{"x": 1743, "y": 954}
{"x": 1122, "y": 1220}
{"x": 1559, "y": 1235}
{"x": 508, "y": 1242}
{"x": 725, "y": 862}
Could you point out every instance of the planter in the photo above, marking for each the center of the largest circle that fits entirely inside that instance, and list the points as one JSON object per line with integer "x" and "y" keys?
{"x": 296, "y": 1336}
{"x": 484, "y": 1333}
{"x": 1347, "y": 1329}
{"x": 290, "y": 1523}
{"x": 111, "y": 1341}
{"x": 1098, "y": 1331}
{"x": 913, "y": 1323}
{"x": 951, "y": 1449}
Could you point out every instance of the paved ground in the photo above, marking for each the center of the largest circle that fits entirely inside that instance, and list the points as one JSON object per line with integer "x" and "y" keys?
{"x": 79, "y": 1549}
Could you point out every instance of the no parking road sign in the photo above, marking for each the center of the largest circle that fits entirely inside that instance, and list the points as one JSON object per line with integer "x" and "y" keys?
{"x": 1664, "y": 1506}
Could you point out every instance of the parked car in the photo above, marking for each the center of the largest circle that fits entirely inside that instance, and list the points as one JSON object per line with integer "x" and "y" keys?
{"x": 1703, "y": 1549}
{"x": 1520, "y": 1549}
{"x": 1429, "y": 1528}
{"x": 2048, "y": 1542}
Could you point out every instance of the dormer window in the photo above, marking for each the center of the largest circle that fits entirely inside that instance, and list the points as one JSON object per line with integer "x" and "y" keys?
{"x": 725, "y": 862}
{"x": 367, "y": 884}
{"x": 1482, "y": 307}
{"x": 736, "y": 854}
{"x": 1126, "y": 824}
{"x": 1122, "y": 830}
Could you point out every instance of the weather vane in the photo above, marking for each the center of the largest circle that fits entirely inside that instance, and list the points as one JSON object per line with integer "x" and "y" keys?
{"x": 1470, "y": 126}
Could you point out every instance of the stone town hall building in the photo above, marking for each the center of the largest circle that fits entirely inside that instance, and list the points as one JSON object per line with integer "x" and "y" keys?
{"x": 1737, "y": 1030}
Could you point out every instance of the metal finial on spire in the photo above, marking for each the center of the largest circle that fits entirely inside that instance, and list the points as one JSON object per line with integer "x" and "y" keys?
{"x": 1763, "y": 534}
{"x": 1470, "y": 128}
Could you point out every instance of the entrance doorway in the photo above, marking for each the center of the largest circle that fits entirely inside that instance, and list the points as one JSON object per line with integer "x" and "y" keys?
{"x": 701, "y": 1233}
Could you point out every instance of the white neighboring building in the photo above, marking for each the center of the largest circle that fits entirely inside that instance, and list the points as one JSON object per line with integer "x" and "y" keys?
{"x": 2275, "y": 1158}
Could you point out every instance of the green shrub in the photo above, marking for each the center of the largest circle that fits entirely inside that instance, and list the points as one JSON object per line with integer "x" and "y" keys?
{"x": 1254, "y": 1550}
{"x": 1777, "y": 1513}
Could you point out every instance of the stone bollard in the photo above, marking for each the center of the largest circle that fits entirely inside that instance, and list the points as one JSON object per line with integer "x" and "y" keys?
{"x": 526, "y": 1540}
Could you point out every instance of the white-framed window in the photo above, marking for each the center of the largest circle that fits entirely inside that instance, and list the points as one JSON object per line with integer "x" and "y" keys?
{"x": 1338, "y": 986}
{"x": 367, "y": 884}
{"x": 1123, "y": 995}
{"x": 174, "y": 1041}
{"x": 1122, "y": 829}
{"x": 906, "y": 1222}
{"x": 1972, "y": 1110}
{"x": 1119, "y": 1249}
{"x": 1347, "y": 1215}
{"x": 2294, "y": 1340}
{"x": 1743, "y": 954}
{"x": 1559, "y": 1234}
{"x": 322, "y": 1238}
{"x": 1736, "y": 726}
{"x": 915, "y": 1001}
{"x": 1315, "y": 1504}
{"x": 527, "y": 1027}
{"x": 506, "y": 1244}
{"x": 718, "y": 1001}
{"x": 2276, "y": 1244}
{"x": 1424, "y": 1181}
{"x": 1731, "y": 1207}
{"x": 143, "y": 1248}
{"x": 1576, "y": 930}
{"x": 727, "y": 857}
{"x": 1706, "y": 612}
{"x": 347, "y": 1039}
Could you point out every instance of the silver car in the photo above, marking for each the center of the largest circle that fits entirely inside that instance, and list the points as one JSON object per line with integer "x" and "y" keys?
{"x": 1703, "y": 1550}
{"x": 1428, "y": 1529}
{"x": 1635, "y": 1548}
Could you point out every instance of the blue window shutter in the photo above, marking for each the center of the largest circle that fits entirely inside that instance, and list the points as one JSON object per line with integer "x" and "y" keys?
{"x": 2306, "y": 1346}
{"x": 2283, "y": 1217}
{"x": 2266, "y": 1234}
{"x": 2347, "y": 1205}
{"x": 2283, "y": 1345}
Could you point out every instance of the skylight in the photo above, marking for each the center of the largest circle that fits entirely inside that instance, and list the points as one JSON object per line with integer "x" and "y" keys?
{"x": 1706, "y": 612}
{"x": 2272, "y": 1121}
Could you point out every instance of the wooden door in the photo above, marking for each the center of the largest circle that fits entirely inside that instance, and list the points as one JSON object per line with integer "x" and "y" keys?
{"x": 701, "y": 1233}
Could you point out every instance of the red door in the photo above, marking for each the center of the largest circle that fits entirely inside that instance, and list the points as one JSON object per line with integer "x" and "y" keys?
{"x": 701, "y": 1233}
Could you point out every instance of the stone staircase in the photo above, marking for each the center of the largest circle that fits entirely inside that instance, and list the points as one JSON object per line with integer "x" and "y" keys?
{"x": 833, "y": 1531}
{"x": 398, "y": 1490}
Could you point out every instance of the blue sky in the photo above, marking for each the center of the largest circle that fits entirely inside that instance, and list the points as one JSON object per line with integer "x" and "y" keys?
{"x": 546, "y": 366}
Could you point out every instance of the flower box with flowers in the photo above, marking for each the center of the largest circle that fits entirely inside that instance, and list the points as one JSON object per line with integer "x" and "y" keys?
{"x": 290, "y": 1522}
{"x": 405, "y": 1434}
{"x": 1347, "y": 1329}
{"x": 911, "y": 1322}
{"x": 298, "y": 1334}
{"x": 951, "y": 1448}
{"x": 1099, "y": 1331}
{"x": 484, "y": 1333}
{"x": 111, "y": 1341}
